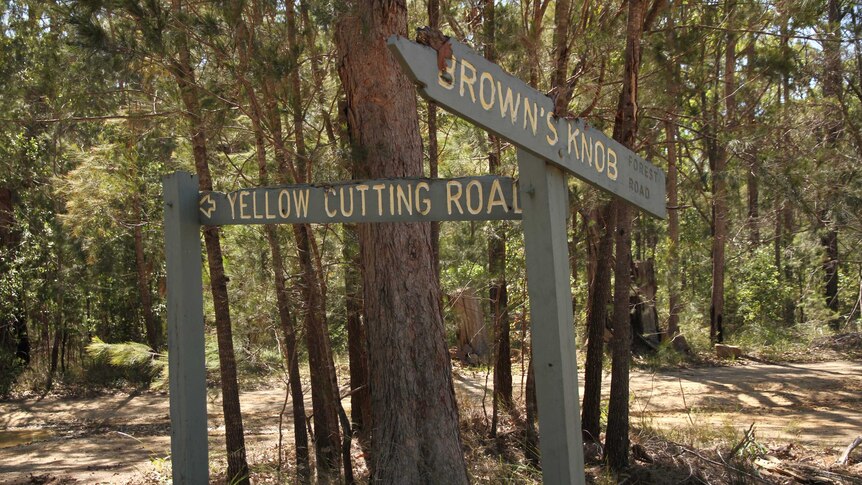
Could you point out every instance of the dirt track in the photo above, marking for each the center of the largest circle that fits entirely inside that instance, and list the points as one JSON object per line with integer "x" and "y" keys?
{"x": 123, "y": 438}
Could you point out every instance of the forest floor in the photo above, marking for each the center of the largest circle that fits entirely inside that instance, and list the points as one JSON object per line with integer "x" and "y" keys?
{"x": 124, "y": 437}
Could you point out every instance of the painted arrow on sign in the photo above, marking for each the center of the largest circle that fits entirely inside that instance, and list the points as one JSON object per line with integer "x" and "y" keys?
{"x": 482, "y": 92}
{"x": 207, "y": 205}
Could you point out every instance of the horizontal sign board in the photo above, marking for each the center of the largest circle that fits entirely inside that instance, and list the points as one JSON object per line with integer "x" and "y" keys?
{"x": 387, "y": 200}
{"x": 481, "y": 92}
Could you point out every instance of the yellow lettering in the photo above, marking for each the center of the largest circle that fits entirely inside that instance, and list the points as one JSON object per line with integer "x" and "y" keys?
{"x": 452, "y": 197}
{"x": 612, "y": 164}
{"x": 425, "y": 201}
{"x": 600, "y": 148}
{"x": 531, "y": 115}
{"x": 496, "y": 197}
{"x": 573, "y": 139}
{"x": 489, "y": 104}
{"x": 586, "y": 149}
{"x": 478, "y": 208}
{"x": 362, "y": 188}
{"x": 284, "y": 203}
{"x": 254, "y": 205}
{"x": 266, "y": 206}
{"x": 506, "y": 103}
{"x": 344, "y": 211}
{"x": 405, "y": 199}
{"x": 379, "y": 189}
{"x": 326, "y": 194}
{"x": 232, "y": 199}
{"x": 243, "y": 205}
{"x": 465, "y": 80}
{"x": 516, "y": 206}
{"x": 552, "y": 125}
{"x": 450, "y": 69}
{"x": 301, "y": 202}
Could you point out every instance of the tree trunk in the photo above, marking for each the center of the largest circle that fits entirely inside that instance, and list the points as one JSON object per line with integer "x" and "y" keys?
{"x": 719, "y": 190}
{"x": 286, "y": 320}
{"x": 433, "y": 153}
{"x": 357, "y": 339}
{"x": 599, "y": 295}
{"x": 832, "y": 90}
{"x": 324, "y": 388}
{"x": 416, "y": 436}
{"x": 235, "y": 441}
{"x": 152, "y": 327}
{"x": 625, "y": 131}
{"x": 672, "y": 333}
{"x": 498, "y": 291}
{"x": 291, "y": 358}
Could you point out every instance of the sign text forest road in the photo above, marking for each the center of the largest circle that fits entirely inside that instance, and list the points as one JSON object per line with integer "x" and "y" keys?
{"x": 481, "y": 92}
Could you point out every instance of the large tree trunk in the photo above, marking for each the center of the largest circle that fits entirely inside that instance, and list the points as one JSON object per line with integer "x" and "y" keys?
{"x": 625, "y": 130}
{"x": 415, "y": 437}
{"x": 235, "y": 441}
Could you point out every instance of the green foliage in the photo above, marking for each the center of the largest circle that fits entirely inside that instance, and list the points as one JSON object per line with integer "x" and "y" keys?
{"x": 136, "y": 363}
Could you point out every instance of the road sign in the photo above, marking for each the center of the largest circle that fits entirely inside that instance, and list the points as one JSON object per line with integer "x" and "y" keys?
{"x": 387, "y": 200}
{"x": 480, "y": 91}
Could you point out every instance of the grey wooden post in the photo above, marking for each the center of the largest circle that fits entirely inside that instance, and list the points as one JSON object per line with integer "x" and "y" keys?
{"x": 185, "y": 330}
{"x": 544, "y": 200}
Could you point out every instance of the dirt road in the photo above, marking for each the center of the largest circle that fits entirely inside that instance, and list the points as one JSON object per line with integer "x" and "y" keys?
{"x": 124, "y": 438}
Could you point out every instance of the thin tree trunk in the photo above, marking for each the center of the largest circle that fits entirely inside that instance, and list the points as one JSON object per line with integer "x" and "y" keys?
{"x": 152, "y": 327}
{"x": 324, "y": 388}
{"x": 625, "y": 131}
{"x": 672, "y": 332}
{"x": 719, "y": 190}
{"x": 833, "y": 91}
{"x": 498, "y": 291}
{"x": 234, "y": 438}
{"x": 597, "y": 314}
{"x": 433, "y": 150}
{"x": 286, "y": 319}
{"x": 416, "y": 436}
{"x": 357, "y": 340}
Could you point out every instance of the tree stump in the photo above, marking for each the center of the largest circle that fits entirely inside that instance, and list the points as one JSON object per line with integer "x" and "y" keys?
{"x": 473, "y": 334}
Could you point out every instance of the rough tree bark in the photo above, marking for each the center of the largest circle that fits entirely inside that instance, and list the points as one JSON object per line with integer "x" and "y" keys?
{"x": 183, "y": 72}
{"x": 625, "y": 131}
{"x": 415, "y": 437}
{"x": 597, "y": 314}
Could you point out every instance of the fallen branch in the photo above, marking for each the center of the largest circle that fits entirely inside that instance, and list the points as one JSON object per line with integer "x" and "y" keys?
{"x": 845, "y": 457}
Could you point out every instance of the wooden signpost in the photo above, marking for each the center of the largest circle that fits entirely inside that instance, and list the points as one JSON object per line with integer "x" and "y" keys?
{"x": 480, "y": 91}
{"x": 483, "y": 93}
